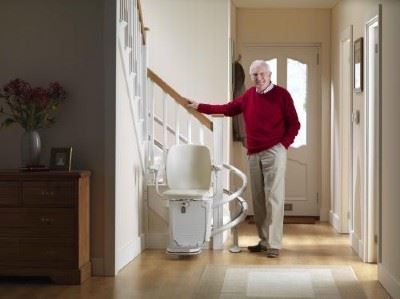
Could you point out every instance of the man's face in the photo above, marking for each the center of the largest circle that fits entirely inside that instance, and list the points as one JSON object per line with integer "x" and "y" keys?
{"x": 261, "y": 77}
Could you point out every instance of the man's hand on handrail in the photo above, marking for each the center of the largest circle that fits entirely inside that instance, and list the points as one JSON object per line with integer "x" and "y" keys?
{"x": 192, "y": 104}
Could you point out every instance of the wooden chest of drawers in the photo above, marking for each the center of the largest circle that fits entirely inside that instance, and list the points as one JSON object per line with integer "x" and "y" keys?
{"x": 44, "y": 225}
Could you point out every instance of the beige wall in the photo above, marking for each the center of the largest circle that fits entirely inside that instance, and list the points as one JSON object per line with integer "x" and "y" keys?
{"x": 389, "y": 273}
{"x": 42, "y": 41}
{"x": 298, "y": 26}
{"x": 355, "y": 13}
{"x": 188, "y": 46}
{"x": 344, "y": 14}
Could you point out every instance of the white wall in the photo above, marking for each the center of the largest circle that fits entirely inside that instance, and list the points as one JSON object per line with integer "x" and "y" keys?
{"x": 62, "y": 40}
{"x": 301, "y": 26}
{"x": 129, "y": 178}
{"x": 355, "y": 12}
{"x": 389, "y": 270}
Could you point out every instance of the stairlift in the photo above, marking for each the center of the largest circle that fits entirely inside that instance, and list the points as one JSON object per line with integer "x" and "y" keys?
{"x": 188, "y": 172}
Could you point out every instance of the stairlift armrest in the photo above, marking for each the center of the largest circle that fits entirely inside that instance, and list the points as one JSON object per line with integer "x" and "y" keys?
{"x": 240, "y": 174}
{"x": 239, "y": 191}
{"x": 157, "y": 172}
{"x": 237, "y": 219}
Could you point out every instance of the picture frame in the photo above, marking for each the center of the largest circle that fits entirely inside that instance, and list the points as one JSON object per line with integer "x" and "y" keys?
{"x": 358, "y": 65}
{"x": 60, "y": 158}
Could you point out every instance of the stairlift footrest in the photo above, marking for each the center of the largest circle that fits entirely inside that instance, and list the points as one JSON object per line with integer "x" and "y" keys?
{"x": 183, "y": 251}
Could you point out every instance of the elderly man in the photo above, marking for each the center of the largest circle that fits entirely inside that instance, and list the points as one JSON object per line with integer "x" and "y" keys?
{"x": 271, "y": 126}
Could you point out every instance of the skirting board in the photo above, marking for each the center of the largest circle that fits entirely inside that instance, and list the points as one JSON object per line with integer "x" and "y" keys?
{"x": 334, "y": 220}
{"x": 127, "y": 253}
{"x": 357, "y": 245}
{"x": 361, "y": 250}
{"x": 97, "y": 266}
{"x": 324, "y": 215}
{"x": 389, "y": 281}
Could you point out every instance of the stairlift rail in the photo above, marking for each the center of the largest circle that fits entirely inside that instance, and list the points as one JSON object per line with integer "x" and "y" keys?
{"x": 232, "y": 196}
{"x": 239, "y": 191}
{"x": 236, "y": 220}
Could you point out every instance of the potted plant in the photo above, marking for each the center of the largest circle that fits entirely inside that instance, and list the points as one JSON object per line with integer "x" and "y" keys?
{"x": 32, "y": 108}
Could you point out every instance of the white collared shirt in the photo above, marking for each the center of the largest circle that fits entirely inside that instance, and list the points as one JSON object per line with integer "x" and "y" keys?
{"x": 269, "y": 88}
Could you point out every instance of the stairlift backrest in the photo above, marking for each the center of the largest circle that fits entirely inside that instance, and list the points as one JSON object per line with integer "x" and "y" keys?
{"x": 188, "y": 167}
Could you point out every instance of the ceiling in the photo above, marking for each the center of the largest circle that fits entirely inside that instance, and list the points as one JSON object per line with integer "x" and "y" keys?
{"x": 285, "y": 3}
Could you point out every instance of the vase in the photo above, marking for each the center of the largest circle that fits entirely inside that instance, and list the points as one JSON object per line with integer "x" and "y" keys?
{"x": 30, "y": 149}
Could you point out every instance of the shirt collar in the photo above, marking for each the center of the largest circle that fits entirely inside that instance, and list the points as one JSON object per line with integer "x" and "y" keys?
{"x": 269, "y": 88}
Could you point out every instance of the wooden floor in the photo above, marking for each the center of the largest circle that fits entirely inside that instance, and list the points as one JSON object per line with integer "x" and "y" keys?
{"x": 155, "y": 275}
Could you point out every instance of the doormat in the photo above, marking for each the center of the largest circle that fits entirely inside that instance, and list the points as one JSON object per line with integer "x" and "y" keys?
{"x": 283, "y": 282}
{"x": 291, "y": 219}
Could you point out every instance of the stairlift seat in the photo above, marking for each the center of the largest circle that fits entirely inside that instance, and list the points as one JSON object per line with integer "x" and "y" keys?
{"x": 195, "y": 194}
{"x": 188, "y": 167}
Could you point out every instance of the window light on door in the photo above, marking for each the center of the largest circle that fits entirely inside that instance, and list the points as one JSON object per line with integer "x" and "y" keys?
{"x": 297, "y": 87}
{"x": 273, "y": 66}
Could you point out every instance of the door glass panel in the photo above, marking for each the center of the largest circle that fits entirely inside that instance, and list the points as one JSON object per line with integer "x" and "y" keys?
{"x": 297, "y": 86}
{"x": 272, "y": 64}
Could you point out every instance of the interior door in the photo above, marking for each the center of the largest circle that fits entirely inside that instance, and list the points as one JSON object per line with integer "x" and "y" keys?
{"x": 296, "y": 69}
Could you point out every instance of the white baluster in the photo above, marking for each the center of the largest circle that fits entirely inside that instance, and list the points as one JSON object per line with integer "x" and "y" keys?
{"x": 165, "y": 125}
{"x": 123, "y": 9}
{"x": 134, "y": 46}
{"x": 143, "y": 80}
{"x": 189, "y": 129}
{"x": 138, "y": 46}
{"x": 130, "y": 29}
{"x": 120, "y": 10}
{"x": 201, "y": 134}
{"x": 177, "y": 127}
{"x": 150, "y": 119}
{"x": 218, "y": 214}
{"x": 126, "y": 11}
{"x": 143, "y": 111}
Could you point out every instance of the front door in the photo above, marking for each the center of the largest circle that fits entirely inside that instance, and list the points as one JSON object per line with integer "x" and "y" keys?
{"x": 296, "y": 69}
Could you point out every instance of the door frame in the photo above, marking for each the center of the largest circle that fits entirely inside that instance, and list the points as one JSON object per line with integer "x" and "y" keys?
{"x": 341, "y": 218}
{"x": 371, "y": 205}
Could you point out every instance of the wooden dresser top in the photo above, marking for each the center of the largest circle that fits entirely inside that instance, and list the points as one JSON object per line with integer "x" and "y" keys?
{"x": 16, "y": 173}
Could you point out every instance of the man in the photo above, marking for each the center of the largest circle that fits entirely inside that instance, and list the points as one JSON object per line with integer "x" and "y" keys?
{"x": 271, "y": 126}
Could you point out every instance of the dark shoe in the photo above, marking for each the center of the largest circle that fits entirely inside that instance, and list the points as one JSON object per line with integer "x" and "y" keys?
{"x": 257, "y": 248}
{"x": 272, "y": 252}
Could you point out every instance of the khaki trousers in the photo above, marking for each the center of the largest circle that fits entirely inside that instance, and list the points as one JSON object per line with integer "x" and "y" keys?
{"x": 267, "y": 177}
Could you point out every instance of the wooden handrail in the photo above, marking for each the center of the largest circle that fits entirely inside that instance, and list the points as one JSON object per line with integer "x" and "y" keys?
{"x": 142, "y": 28}
{"x": 179, "y": 99}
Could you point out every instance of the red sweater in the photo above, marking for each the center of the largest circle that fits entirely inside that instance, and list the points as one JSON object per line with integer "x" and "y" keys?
{"x": 270, "y": 118}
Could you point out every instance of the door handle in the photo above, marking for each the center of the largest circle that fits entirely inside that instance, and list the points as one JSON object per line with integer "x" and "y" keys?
{"x": 355, "y": 117}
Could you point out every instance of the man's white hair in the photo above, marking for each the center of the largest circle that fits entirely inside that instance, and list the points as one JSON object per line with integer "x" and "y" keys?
{"x": 257, "y": 63}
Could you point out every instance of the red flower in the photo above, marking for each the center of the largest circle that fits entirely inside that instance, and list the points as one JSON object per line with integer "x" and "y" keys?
{"x": 31, "y": 107}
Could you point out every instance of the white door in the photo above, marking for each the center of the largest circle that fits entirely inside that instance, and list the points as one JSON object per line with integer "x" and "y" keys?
{"x": 296, "y": 69}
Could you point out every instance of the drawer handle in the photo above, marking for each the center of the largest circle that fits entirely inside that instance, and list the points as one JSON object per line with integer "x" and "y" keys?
{"x": 46, "y": 220}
